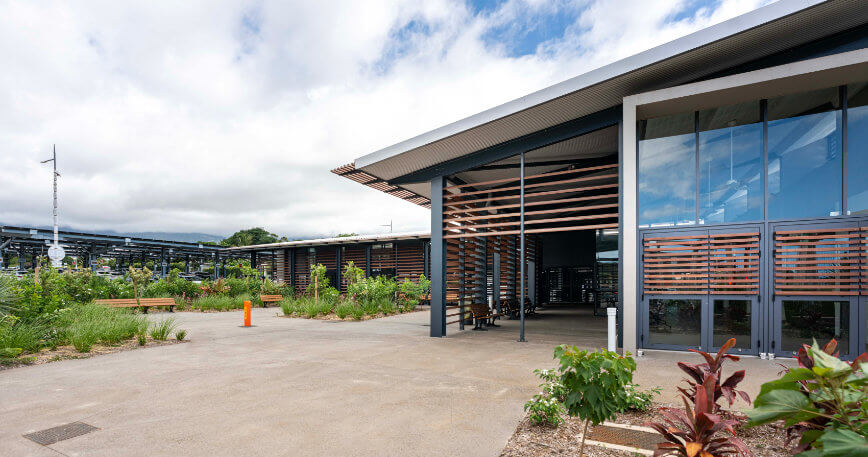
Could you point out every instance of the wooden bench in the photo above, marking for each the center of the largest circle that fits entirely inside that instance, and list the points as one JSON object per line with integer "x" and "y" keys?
{"x": 482, "y": 316}
{"x": 144, "y": 303}
{"x": 266, "y": 299}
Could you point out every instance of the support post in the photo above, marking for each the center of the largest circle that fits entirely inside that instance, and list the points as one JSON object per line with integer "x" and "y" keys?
{"x": 438, "y": 261}
{"x": 521, "y": 249}
{"x": 253, "y": 259}
{"x": 338, "y": 268}
{"x": 162, "y": 263}
{"x": 612, "y": 314}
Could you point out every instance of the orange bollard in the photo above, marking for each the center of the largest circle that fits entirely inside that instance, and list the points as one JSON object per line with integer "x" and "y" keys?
{"x": 247, "y": 313}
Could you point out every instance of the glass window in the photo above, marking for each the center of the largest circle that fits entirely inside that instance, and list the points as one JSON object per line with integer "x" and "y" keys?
{"x": 857, "y": 148}
{"x": 731, "y": 164}
{"x": 667, "y": 171}
{"x": 674, "y": 322}
{"x": 805, "y": 166}
{"x": 732, "y": 320}
{"x": 803, "y": 321}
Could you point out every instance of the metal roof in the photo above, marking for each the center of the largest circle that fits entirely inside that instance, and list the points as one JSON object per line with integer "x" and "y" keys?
{"x": 382, "y": 238}
{"x": 760, "y": 33}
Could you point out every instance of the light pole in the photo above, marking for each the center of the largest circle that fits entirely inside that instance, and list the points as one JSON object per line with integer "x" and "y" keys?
{"x": 55, "y": 253}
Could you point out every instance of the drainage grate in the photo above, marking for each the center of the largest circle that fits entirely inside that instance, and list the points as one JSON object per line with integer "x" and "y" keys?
{"x": 625, "y": 437}
{"x": 60, "y": 433}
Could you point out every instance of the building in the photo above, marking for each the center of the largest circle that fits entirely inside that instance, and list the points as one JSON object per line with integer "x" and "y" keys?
{"x": 730, "y": 165}
{"x": 399, "y": 255}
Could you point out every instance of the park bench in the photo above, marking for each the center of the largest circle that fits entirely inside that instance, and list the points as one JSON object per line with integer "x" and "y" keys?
{"x": 482, "y": 316}
{"x": 266, "y": 299}
{"x": 144, "y": 303}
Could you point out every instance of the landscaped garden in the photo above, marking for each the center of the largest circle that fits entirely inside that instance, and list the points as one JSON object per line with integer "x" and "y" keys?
{"x": 366, "y": 297}
{"x": 818, "y": 409}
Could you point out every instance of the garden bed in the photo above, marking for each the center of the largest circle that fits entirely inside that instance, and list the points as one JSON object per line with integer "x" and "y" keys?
{"x": 530, "y": 440}
{"x": 47, "y": 355}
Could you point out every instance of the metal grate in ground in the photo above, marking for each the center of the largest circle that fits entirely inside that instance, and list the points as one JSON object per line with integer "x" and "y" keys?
{"x": 625, "y": 437}
{"x": 60, "y": 433}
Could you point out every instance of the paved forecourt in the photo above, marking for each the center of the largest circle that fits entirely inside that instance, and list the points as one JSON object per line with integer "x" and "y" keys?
{"x": 297, "y": 387}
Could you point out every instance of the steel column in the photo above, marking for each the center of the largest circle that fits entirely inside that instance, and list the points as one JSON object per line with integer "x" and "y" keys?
{"x": 438, "y": 261}
{"x": 521, "y": 249}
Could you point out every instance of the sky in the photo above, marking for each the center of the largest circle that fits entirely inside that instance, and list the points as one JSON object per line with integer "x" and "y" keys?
{"x": 214, "y": 116}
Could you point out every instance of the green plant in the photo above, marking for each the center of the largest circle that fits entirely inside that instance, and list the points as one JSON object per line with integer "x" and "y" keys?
{"x": 594, "y": 384}
{"x": 713, "y": 366}
{"x": 823, "y": 403}
{"x": 139, "y": 278}
{"x": 344, "y": 308}
{"x": 353, "y": 274}
{"x": 180, "y": 335}
{"x": 288, "y": 306}
{"x": 8, "y": 297}
{"x": 546, "y": 407}
{"x": 161, "y": 329}
{"x": 639, "y": 400}
{"x": 357, "y": 312}
{"x": 696, "y": 430}
{"x": 142, "y": 339}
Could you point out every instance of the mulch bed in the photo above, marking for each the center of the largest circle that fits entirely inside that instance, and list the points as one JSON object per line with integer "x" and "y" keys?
{"x": 47, "y": 355}
{"x": 538, "y": 441}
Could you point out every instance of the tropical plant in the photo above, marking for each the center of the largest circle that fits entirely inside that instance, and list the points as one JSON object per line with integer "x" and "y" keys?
{"x": 823, "y": 403}
{"x": 180, "y": 335}
{"x": 697, "y": 431}
{"x": 713, "y": 366}
{"x": 8, "y": 297}
{"x": 352, "y": 274}
{"x": 546, "y": 407}
{"x": 594, "y": 384}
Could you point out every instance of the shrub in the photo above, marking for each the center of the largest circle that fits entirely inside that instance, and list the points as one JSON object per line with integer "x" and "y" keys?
{"x": 713, "y": 366}
{"x": 180, "y": 335}
{"x": 161, "y": 329}
{"x": 217, "y": 303}
{"x": 696, "y": 431}
{"x": 388, "y": 307}
{"x": 639, "y": 400}
{"x": 357, "y": 312}
{"x": 142, "y": 338}
{"x": 594, "y": 384}
{"x": 288, "y": 306}
{"x": 22, "y": 336}
{"x": 8, "y": 297}
{"x": 823, "y": 403}
{"x": 546, "y": 408}
{"x": 85, "y": 325}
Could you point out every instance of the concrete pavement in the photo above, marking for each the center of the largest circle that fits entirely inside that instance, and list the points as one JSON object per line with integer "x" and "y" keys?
{"x": 298, "y": 387}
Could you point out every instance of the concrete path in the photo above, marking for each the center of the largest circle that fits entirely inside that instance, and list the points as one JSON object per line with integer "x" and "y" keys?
{"x": 296, "y": 387}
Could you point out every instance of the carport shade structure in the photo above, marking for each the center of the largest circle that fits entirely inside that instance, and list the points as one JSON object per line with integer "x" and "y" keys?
{"x": 449, "y": 169}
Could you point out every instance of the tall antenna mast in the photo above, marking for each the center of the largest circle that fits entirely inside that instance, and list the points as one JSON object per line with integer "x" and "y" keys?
{"x": 56, "y": 250}
{"x": 388, "y": 225}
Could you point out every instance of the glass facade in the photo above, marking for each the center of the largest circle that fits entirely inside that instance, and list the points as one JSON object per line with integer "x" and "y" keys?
{"x": 803, "y": 321}
{"x": 857, "y": 149}
{"x": 675, "y": 322}
{"x": 731, "y": 164}
{"x": 805, "y": 155}
{"x": 732, "y": 319}
{"x": 667, "y": 171}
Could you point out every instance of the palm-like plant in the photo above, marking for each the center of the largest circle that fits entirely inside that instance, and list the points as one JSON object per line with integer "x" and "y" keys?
{"x": 696, "y": 431}
{"x": 8, "y": 297}
{"x": 713, "y": 366}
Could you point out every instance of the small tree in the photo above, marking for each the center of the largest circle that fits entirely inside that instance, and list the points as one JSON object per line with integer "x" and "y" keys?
{"x": 595, "y": 384}
{"x": 353, "y": 274}
{"x": 318, "y": 280}
{"x": 140, "y": 277}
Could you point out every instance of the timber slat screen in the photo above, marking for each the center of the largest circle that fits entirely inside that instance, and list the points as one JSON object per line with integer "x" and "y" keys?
{"x": 302, "y": 269}
{"x": 819, "y": 261}
{"x": 676, "y": 264}
{"x": 481, "y": 218}
{"x": 356, "y": 254}
{"x": 410, "y": 261}
{"x": 734, "y": 264}
{"x": 697, "y": 264}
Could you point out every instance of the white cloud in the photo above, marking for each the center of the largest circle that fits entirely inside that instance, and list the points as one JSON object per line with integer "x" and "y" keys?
{"x": 215, "y": 116}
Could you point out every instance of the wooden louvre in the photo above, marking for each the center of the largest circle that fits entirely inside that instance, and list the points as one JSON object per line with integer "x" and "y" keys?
{"x": 302, "y": 269}
{"x": 383, "y": 257}
{"x": 410, "y": 261}
{"x": 824, "y": 261}
{"x": 327, "y": 256}
{"x": 355, "y": 254}
{"x": 281, "y": 266}
{"x": 734, "y": 263}
{"x": 676, "y": 264}
{"x": 864, "y": 244}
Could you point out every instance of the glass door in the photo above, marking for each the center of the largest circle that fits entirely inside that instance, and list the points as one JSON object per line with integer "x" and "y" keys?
{"x": 735, "y": 316}
{"x": 674, "y": 321}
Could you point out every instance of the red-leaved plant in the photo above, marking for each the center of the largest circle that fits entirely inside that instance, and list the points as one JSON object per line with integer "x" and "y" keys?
{"x": 713, "y": 366}
{"x": 697, "y": 431}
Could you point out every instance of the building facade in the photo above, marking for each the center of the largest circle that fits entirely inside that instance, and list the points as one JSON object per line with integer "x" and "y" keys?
{"x": 730, "y": 164}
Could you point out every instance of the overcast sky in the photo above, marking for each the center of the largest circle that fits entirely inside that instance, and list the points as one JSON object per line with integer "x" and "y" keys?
{"x": 212, "y": 116}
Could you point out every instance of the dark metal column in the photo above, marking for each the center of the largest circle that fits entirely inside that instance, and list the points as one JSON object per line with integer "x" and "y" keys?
{"x": 291, "y": 256}
{"x": 368, "y": 261}
{"x": 521, "y": 249}
{"x": 253, "y": 259}
{"x": 338, "y": 268}
{"x": 438, "y": 261}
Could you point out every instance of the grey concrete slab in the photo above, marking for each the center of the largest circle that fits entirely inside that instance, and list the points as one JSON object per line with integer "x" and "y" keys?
{"x": 302, "y": 387}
